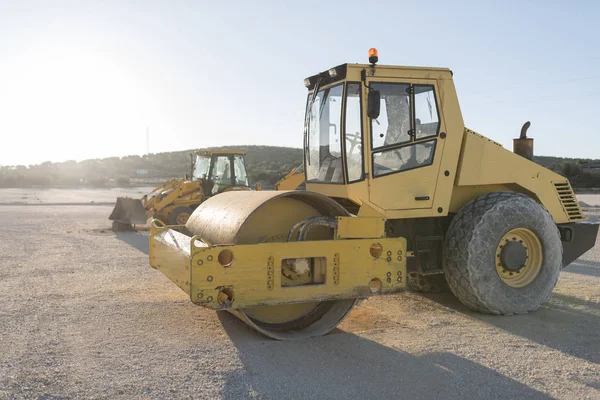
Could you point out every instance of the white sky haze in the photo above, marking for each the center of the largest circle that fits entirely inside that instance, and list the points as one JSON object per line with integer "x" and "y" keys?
{"x": 83, "y": 79}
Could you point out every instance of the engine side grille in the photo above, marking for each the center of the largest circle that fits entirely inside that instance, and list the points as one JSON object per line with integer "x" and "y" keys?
{"x": 569, "y": 201}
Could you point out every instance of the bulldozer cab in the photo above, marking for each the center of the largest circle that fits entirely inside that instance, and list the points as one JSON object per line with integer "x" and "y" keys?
{"x": 393, "y": 160}
{"x": 220, "y": 170}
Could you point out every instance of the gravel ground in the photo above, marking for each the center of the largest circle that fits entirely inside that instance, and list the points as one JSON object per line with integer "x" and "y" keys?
{"x": 83, "y": 316}
{"x": 49, "y": 196}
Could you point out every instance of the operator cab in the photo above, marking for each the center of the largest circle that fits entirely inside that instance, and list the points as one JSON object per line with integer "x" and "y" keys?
{"x": 372, "y": 135}
{"x": 220, "y": 171}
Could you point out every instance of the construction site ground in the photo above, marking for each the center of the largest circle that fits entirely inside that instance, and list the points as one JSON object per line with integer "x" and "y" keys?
{"x": 82, "y": 315}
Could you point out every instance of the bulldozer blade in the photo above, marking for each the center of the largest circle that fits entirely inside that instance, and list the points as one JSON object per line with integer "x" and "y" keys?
{"x": 128, "y": 210}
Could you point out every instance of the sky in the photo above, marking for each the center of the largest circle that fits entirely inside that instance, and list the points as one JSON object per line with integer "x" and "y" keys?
{"x": 89, "y": 79}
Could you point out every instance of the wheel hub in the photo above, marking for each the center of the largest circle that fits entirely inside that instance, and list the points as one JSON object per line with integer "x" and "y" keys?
{"x": 513, "y": 256}
{"x": 519, "y": 257}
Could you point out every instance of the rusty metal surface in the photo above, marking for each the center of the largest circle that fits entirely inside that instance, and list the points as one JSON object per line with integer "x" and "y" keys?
{"x": 220, "y": 219}
{"x": 523, "y": 147}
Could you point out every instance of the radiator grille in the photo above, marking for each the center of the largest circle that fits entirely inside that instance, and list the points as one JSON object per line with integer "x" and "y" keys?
{"x": 569, "y": 201}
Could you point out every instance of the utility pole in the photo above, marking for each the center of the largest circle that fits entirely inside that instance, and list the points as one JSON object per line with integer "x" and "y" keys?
{"x": 147, "y": 146}
{"x": 147, "y": 140}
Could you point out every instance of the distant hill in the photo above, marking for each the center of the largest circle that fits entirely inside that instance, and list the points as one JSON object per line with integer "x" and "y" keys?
{"x": 266, "y": 165}
{"x": 582, "y": 173}
{"x": 548, "y": 161}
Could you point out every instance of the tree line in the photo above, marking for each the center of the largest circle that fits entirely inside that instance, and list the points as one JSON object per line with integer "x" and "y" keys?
{"x": 265, "y": 164}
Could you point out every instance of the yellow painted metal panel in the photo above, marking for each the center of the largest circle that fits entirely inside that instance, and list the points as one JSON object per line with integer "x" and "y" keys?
{"x": 393, "y": 71}
{"x": 254, "y": 277}
{"x": 454, "y": 128}
{"x": 485, "y": 162}
{"x": 291, "y": 181}
{"x": 329, "y": 190}
{"x": 170, "y": 254}
{"x": 359, "y": 227}
{"x": 461, "y": 195}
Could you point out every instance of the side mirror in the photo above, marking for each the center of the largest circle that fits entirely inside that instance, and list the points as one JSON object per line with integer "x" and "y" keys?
{"x": 373, "y": 104}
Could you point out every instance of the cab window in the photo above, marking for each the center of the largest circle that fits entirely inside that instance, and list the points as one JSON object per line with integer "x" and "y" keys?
{"x": 427, "y": 121}
{"x": 241, "y": 179}
{"x": 353, "y": 133}
{"x": 393, "y": 126}
{"x": 404, "y": 135}
{"x": 323, "y": 131}
{"x": 403, "y": 158}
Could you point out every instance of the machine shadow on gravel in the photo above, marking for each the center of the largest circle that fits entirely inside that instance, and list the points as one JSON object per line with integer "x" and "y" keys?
{"x": 135, "y": 239}
{"x": 344, "y": 365}
{"x": 585, "y": 267}
{"x": 562, "y": 323}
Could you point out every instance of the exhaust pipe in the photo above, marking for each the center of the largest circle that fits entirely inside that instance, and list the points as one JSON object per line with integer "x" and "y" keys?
{"x": 523, "y": 146}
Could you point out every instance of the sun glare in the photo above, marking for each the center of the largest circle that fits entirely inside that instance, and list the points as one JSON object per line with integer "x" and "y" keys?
{"x": 59, "y": 99}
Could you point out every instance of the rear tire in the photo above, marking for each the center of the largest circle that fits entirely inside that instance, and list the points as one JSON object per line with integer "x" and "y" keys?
{"x": 179, "y": 216}
{"x": 476, "y": 272}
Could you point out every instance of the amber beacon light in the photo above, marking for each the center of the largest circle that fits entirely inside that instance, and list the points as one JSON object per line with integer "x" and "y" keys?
{"x": 373, "y": 55}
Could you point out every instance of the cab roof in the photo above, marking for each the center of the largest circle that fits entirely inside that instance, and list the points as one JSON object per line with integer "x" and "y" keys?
{"x": 343, "y": 70}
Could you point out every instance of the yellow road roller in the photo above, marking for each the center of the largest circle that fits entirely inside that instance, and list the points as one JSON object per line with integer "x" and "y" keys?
{"x": 398, "y": 192}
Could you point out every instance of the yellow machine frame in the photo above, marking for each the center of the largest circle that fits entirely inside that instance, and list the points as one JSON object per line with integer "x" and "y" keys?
{"x": 461, "y": 152}
{"x": 205, "y": 272}
{"x": 361, "y": 258}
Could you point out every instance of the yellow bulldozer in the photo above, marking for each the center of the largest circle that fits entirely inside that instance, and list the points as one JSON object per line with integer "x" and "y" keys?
{"x": 396, "y": 185}
{"x": 211, "y": 173}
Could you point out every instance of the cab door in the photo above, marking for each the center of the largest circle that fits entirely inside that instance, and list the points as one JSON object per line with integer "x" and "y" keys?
{"x": 406, "y": 142}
